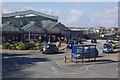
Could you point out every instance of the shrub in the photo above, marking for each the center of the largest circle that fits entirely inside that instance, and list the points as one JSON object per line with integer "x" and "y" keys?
{"x": 21, "y": 46}
{"x": 14, "y": 48}
{"x": 33, "y": 43}
{"x": 27, "y": 46}
{"x": 37, "y": 45}
{"x": 6, "y": 46}
{"x": 34, "y": 48}
{"x": 41, "y": 44}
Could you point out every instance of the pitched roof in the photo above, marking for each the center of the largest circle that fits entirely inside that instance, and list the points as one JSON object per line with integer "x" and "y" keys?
{"x": 26, "y": 27}
{"x": 33, "y": 27}
{"x": 11, "y": 27}
{"x": 59, "y": 23}
{"x": 50, "y": 25}
{"x": 29, "y": 12}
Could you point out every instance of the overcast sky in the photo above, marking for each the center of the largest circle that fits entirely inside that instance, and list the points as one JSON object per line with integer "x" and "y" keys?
{"x": 72, "y": 14}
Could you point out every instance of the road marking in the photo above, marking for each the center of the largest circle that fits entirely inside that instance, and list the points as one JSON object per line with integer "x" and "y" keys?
{"x": 94, "y": 72}
{"x": 116, "y": 69}
{"x": 71, "y": 69}
{"x": 55, "y": 70}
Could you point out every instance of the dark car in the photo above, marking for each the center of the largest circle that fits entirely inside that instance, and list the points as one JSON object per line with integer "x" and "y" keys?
{"x": 79, "y": 41}
{"x": 107, "y": 48}
{"x": 93, "y": 40}
{"x": 49, "y": 48}
{"x": 70, "y": 43}
{"x": 92, "y": 52}
{"x": 83, "y": 39}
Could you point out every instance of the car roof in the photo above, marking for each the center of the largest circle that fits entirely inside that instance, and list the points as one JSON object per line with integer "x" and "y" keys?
{"x": 106, "y": 43}
{"x": 93, "y": 38}
{"x": 84, "y": 45}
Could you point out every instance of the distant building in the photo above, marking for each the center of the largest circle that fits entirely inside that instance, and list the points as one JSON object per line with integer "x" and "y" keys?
{"x": 77, "y": 34}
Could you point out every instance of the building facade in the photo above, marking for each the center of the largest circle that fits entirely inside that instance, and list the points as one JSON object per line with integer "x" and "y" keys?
{"x": 31, "y": 26}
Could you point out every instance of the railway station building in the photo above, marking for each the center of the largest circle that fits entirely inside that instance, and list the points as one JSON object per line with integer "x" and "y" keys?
{"x": 32, "y": 26}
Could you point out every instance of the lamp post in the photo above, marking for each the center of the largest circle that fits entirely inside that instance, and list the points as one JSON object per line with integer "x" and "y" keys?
{"x": 29, "y": 35}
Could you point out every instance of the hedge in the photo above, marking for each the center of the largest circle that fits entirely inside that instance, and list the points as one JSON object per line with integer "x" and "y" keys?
{"x": 23, "y": 46}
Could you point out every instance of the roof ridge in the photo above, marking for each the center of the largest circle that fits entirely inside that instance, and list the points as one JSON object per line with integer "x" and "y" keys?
{"x": 29, "y": 11}
{"x": 28, "y": 25}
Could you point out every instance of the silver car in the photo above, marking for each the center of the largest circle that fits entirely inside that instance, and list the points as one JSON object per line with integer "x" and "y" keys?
{"x": 49, "y": 48}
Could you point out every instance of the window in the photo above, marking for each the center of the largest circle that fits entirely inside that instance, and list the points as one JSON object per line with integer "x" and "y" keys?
{"x": 18, "y": 16}
{"x": 39, "y": 37}
{"x": 28, "y": 15}
{"x": 13, "y": 37}
{"x": 16, "y": 38}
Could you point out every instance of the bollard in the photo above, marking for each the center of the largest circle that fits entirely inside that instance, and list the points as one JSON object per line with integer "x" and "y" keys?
{"x": 65, "y": 58}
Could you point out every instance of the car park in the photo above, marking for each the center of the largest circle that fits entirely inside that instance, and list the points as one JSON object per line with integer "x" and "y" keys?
{"x": 107, "y": 48}
{"x": 93, "y": 40}
{"x": 49, "y": 48}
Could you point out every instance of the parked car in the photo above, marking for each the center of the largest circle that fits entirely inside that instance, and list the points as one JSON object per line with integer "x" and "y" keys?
{"x": 107, "y": 48}
{"x": 83, "y": 39}
{"x": 70, "y": 43}
{"x": 49, "y": 48}
{"x": 79, "y": 41}
{"x": 93, "y": 40}
{"x": 92, "y": 52}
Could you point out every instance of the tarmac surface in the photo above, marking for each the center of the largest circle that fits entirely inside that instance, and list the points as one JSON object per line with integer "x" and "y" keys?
{"x": 34, "y": 64}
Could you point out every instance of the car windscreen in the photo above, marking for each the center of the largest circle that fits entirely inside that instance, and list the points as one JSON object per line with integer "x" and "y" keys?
{"x": 46, "y": 45}
{"x": 107, "y": 46}
{"x": 94, "y": 39}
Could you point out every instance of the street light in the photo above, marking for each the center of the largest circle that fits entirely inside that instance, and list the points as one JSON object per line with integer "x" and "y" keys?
{"x": 29, "y": 35}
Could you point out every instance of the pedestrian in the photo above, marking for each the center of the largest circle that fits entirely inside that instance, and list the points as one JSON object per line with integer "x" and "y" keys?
{"x": 49, "y": 40}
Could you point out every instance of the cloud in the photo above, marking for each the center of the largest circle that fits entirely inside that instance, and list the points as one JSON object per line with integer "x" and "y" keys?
{"x": 76, "y": 17}
{"x": 46, "y": 10}
{"x": 70, "y": 17}
{"x": 109, "y": 17}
